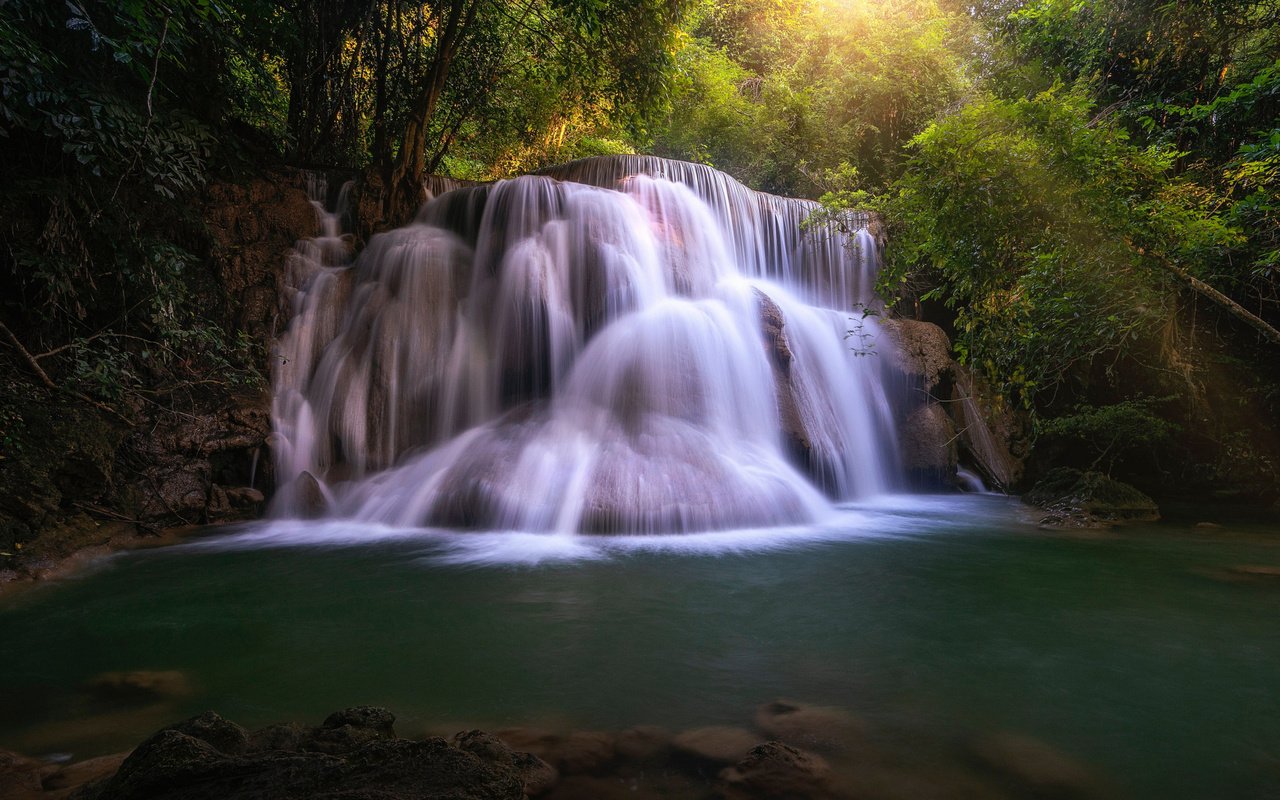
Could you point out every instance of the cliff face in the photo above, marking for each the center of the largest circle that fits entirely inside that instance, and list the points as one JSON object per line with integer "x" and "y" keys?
{"x": 75, "y": 474}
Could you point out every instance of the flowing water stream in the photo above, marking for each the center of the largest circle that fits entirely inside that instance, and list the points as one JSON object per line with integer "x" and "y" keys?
{"x": 587, "y": 351}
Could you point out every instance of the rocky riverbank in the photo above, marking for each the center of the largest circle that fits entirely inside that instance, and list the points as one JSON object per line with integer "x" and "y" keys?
{"x": 789, "y": 750}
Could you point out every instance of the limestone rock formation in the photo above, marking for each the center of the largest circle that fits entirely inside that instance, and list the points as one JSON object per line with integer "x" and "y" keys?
{"x": 948, "y": 416}
{"x": 926, "y": 432}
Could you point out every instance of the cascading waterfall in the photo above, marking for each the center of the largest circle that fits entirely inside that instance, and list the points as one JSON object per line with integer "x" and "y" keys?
{"x": 620, "y": 344}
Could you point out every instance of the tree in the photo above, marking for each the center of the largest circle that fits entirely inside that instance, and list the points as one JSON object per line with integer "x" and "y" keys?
{"x": 1049, "y": 233}
{"x": 780, "y": 93}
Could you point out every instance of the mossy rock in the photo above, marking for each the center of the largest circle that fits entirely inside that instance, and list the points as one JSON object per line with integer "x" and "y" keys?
{"x": 1089, "y": 500}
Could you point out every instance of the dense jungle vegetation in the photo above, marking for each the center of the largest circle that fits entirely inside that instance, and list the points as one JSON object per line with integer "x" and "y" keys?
{"x": 1084, "y": 194}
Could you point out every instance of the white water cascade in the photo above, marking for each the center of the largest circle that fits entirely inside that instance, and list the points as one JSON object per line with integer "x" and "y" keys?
{"x": 622, "y": 344}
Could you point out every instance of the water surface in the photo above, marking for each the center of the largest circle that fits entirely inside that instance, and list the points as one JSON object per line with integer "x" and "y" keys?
{"x": 936, "y": 619}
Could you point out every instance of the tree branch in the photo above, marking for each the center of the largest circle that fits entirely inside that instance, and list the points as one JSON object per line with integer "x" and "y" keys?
{"x": 30, "y": 359}
{"x": 1205, "y": 290}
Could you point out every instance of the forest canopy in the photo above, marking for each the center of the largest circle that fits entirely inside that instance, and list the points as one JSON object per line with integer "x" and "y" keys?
{"x": 1084, "y": 194}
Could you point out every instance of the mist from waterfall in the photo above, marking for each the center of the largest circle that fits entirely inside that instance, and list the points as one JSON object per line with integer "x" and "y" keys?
{"x": 621, "y": 344}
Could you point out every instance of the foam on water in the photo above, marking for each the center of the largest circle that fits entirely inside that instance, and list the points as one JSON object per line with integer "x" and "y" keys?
{"x": 886, "y": 516}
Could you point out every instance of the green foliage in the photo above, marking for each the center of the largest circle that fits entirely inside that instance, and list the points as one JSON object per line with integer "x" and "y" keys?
{"x": 99, "y": 223}
{"x": 339, "y": 81}
{"x": 1038, "y": 223}
{"x": 720, "y": 127}
{"x": 780, "y": 93}
{"x": 1105, "y": 434}
{"x": 1199, "y": 80}
{"x": 1044, "y": 167}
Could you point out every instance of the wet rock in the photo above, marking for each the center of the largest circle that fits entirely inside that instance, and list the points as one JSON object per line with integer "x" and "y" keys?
{"x": 287, "y": 736}
{"x": 778, "y": 347}
{"x": 644, "y": 743}
{"x": 924, "y": 356}
{"x": 222, "y": 734}
{"x": 172, "y": 765}
{"x": 540, "y": 742}
{"x": 992, "y": 435}
{"x": 948, "y": 415}
{"x": 536, "y": 775}
{"x": 718, "y": 744}
{"x": 141, "y": 685}
{"x": 372, "y": 718}
{"x": 484, "y": 745}
{"x": 245, "y": 497}
{"x": 167, "y": 760}
{"x": 590, "y": 787}
{"x": 1033, "y": 767}
{"x": 238, "y": 502}
{"x": 586, "y": 752}
{"x": 1254, "y": 572}
{"x": 811, "y": 727}
{"x": 775, "y": 771}
{"x": 311, "y": 499}
{"x": 579, "y": 752}
{"x": 22, "y": 777}
{"x": 926, "y": 440}
{"x": 82, "y": 773}
{"x": 1075, "y": 499}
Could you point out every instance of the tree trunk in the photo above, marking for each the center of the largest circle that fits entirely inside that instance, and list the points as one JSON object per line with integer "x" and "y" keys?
{"x": 404, "y": 185}
{"x": 1236, "y": 310}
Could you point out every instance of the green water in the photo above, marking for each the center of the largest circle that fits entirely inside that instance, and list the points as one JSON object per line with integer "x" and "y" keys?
{"x": 935, "y": 619}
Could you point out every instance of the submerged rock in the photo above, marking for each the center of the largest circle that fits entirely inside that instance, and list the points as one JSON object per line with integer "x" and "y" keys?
{"x": 63, "y": 782}
{"x": 141, "y": 685}
{"x": 1246, "y": 573}
{"x": 644, "y": 743}
{"x": 815, "y": 727}
{"x": 536, "y": 775}
{"x": 718, "y": 744}
{"x": 1075, "y": 499}
{"x": 1033, "y": 768}
{"x": 774, "y": 771}
{"x": 21, "y": 777}
{"x": 586, "y": 752}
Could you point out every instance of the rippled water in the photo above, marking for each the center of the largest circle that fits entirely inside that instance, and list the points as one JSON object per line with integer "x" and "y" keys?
{"x": 1144, "y": 654}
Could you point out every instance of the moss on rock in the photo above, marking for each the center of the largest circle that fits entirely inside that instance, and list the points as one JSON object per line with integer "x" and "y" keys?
{"x": 1087, "y": 499}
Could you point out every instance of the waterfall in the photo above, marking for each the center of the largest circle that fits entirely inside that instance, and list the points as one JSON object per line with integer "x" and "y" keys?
{"x": 620, "y": 344}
